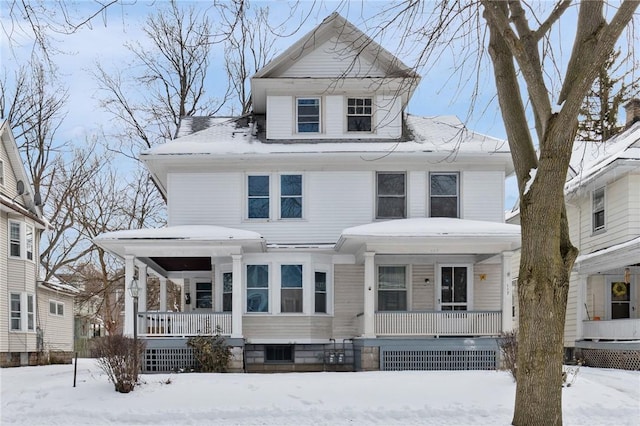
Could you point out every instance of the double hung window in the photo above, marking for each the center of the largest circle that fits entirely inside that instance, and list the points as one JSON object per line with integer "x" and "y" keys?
{"x": 21, "y": 240}
{"x": 291, "y": 288}
{"x": 257, "y": 288}
{"x": 320, "y": 295}
{"x": 227, "y": 291}
{"x": 258, "y": 194}
{"x": 391, "y": 195}
{"x": 56, "y": 308}
{"x": 22, "y": 312}
{"x": 290, "y": 196}
{"x": 203, "y": 295}
{"x": 444, "y": 194}
{"x": 392, "y": 288}
{"x": 359, "y": 112}
{"x": 598, "y": 209}
{"x": 308, "y": 115}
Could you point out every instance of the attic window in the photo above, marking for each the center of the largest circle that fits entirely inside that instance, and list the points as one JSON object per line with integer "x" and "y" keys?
{"x": 308, "y": 110}
{"x": 359, "y": 114}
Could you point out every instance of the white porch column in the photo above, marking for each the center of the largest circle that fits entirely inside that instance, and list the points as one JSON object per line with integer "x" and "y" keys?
{"x": 369, "y": 295}
{"x": 581, "y": 292}
{"x": 163, "y": 294}
{"x": 129, "y": 271}
{"x": 236, "y": 296}
{"x": 142, "y": 279}
{"x": 507, "y": 292}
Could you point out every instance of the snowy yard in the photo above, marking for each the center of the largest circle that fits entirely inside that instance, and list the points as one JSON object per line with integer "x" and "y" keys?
{"x": 46, "y": 396}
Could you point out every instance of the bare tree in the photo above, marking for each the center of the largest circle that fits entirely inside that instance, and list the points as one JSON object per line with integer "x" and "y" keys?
{"x": 524, "y": 56}
{"x": 171, "y": 84}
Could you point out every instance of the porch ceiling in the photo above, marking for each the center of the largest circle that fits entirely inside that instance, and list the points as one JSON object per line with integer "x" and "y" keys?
{"x": 172, "y": 264}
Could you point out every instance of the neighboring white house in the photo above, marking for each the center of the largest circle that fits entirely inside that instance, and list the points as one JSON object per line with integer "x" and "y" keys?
{"x": 329, "y": 229}
{"x": 602, "y": 194}
{"x": 26, "y": 332}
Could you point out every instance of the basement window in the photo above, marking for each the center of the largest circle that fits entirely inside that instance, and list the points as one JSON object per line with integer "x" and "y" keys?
{"x": 278, "y": 353}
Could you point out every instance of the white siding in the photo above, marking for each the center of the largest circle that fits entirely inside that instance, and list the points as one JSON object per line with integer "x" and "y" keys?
{"x": 422, "y": 293}
{"x": 4, "y": 301}
{"x": 57, "y": 331}
{"x": 570, "y": 331}
{"x": 388, "y": 116}
{"x": 280, "y": 117}
{"x": 286, "y": 328}
{"x": 482, "y": 196}
{"x": 333, "y": 59}
{"x": 348, "y": 301}
{"x": 417, "y": 194}
{"x": 487, "y": 293}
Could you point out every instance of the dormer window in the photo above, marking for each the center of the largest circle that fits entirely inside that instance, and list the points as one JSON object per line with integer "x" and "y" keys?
{"x": 598, "y": 209}
{"x": 308, "y": 115}
{"x": 359, "y": 114}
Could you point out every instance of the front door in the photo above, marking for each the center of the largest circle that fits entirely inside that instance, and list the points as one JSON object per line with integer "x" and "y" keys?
{"x": 454, "y": 288}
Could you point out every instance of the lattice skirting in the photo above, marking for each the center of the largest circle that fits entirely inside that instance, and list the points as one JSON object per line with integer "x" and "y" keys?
{"x": 168, "y": 359}
{"x": 394, "y": 360}
{"x": 606, "y": 358}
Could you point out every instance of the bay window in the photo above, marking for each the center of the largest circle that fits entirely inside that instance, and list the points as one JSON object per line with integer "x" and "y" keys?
{"x": 291, "y": 288}
{"x": 257, "y": 288}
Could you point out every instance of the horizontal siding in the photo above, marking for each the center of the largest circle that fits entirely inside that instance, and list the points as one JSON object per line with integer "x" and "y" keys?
{"x": 483, "y": 196}
{"x": 348, "y": 302}
{"x": 487, "y": 293}
{"x": 634, "y": 204}
{"x": 287, "y": 328}
{"x": 417, "y": 194}
{"x": 388, "y": 117}
{"x": 333, "y": 59}
{"x": 422, "y": 293}
{"x": 281, "y": 118}
{"x": 570, "y": 322}
{"x": 595, "y": 297}
{"x": 57, "y": 331}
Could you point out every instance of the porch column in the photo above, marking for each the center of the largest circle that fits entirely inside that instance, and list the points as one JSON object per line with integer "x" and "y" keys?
{"x": 129, "y": 271}
{"x": 369, "y": 295}
{"x": 236, "y": 297}
{"x": 507, "y": 292}
{"x": 581, "y": 292}
{"x": 142, "y": 279}
{"x": 163, "y": 294}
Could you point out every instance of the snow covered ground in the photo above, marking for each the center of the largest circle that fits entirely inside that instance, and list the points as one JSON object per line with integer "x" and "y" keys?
{"x": 46, "y": 396}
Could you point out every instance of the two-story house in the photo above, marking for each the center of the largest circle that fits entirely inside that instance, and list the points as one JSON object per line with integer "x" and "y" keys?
{"x": 329, "y": 228}
{"x": 37, "y": 319}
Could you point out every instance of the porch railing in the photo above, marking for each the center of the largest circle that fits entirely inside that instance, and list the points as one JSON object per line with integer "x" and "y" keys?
{"x": 438, "y": 323}
{"x": 183, "y": 323}
{"x": 619, "y": 329}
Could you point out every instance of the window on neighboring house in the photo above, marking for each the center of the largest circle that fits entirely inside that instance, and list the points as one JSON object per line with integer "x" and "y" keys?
{"x": 444, "y": 195}
{"x": 391, "y": 195}
{"x": 56, "y": 308}
{"x": 290, "y": 196}
{"x": 392, "y": 288}
{"x": 258, "y": 203}
{"x": 278, "y": 353}
{"x": 308, "y": 115}
{"x": 359, "y": 114}
{"x": 22, "y": 319}
{"x": 227, "y": 292}
{"x": 291, "y": 288}
{"x": 15, "y": 239}
{"x": 257, "y": 288}
{"x": 29, "y": 241}
{"x": 320, "y": 293}
{"x": 598, "y": 209}
{"x": 203, "y": 295}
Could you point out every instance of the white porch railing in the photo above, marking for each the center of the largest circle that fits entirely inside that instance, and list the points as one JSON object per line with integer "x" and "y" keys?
{"x": 183, "y": 323}
{"x": 619, "y": 329}
{"x": 439, "y": 323}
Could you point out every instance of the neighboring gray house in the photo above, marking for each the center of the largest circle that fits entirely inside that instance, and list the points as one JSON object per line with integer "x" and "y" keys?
{"x": 28, "y": 333}
{"x": 602, "y": 326}
{"x": 329, "y": 229}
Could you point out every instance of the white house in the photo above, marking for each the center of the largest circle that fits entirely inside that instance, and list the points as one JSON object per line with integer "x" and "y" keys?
{"x": 329, "y": 229}
{"x": 27, "y": 332}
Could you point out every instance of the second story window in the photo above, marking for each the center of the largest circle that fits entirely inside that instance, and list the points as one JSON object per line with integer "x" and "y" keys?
{"x": 29, "y": 241}
{"x": 15, "y": 239}
{"x": 359, "y": 111}
{"x": 391, "y": 195}
{"x": 21, "y": 240}
{"x": 598, "y": 209}
{"x": 308, "y": 115}
{"x": 290, "y": 196}
{"x": 258, "y": 194}
{"x": 444, "y": 193}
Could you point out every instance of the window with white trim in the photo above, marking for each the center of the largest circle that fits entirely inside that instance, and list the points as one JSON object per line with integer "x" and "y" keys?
{"x": 320, "y": 294}
{"x": 15, "y": 239}
{"x": 258, "y": 197}
{"x": 257, "y": 288}
{"x": 22, "y": 312}
{"x": 291, "y": 293}
{"x": 227, "y": 291}
{"x": 29, "y": 241}
{"x": 290, "y": 196}
{"x": 598, "y": 209}
{"x": 204, "y": 295}
{"x": 391, "y": 199}
{"x": 392, "y": 288}
{"x": 444, "y": 195}
{"x": 56, "y": 308}
{"x": 359, "y": 113}
{"x": 308, "y": 115}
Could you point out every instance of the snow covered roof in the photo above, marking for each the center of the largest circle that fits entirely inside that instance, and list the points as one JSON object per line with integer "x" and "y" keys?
{"x": 421, "y": 233}
{"x": 185, "y": 232}
{"x": 616, "y": 256}
{"x": 55, "y": 284}
{"x": 442, "y": 135}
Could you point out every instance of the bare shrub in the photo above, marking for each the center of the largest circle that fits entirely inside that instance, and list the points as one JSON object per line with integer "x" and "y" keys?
{"x": 119, "y": 357}
{"x": 508, "y": 343}
{"x": 212, "y": 354}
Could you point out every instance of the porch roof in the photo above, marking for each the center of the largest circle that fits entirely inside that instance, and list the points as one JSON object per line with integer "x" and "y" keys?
{"x": 614, "y": 257}
{"x": 431, "y": 236}
{"x": 190, "y": 240}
